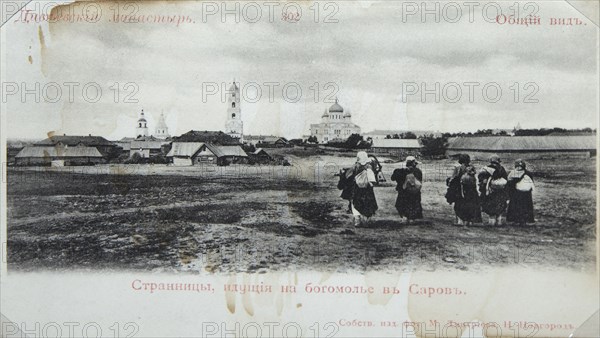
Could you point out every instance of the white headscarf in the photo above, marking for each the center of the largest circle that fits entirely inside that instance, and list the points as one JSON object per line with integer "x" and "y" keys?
{"x": 362, "y": 157}
{"x": 411, "y": 160}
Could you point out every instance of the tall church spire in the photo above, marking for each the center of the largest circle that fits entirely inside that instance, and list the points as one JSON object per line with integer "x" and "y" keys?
{"x": 234, "y": 125}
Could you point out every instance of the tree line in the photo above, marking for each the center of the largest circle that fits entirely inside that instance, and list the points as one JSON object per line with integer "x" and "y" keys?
{"x": 436, "y": 145}
{"x": 523, "y": 132}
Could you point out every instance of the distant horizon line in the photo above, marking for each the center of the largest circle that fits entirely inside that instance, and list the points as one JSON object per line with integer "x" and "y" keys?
{"x": 369, "y": 132}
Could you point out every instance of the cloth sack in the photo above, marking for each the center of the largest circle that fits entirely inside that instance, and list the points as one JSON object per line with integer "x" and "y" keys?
{"x": 525, "y": 184}
{"x": 364, "y": 178}
{"x": 498, "y": 184}
{"x": 412, "y": 184}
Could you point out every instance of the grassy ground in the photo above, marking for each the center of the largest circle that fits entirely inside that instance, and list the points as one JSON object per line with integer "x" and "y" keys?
{"x": 163, "y": 218}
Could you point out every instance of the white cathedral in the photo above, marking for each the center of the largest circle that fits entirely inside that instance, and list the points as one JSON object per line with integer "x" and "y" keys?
{"x": 335, "y": 125}
{"x": 234, "y": 126}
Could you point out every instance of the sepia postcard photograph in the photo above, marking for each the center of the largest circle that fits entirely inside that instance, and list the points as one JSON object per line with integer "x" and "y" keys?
{"x": 301, "y": 168}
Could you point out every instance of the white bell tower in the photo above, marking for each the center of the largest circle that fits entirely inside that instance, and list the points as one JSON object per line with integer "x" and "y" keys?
{"x": 141, "y": 129}
{"x": 234, "y": 125}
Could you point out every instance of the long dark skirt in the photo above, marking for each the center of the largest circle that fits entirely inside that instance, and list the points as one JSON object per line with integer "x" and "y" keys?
{"x": 364, "y": 201}
{"x": 468, "y": 208}
{"x": 494, "y": 204}
{"x": 520, "y": 208}
{"x": 409, "y": 205}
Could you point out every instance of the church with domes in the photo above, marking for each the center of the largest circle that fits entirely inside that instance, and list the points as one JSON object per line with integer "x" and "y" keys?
{"x": 161, "y": 131}
{"x": 335, "y": 125}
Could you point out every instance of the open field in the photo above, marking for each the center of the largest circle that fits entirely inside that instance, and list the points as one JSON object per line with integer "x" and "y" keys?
{"x": 258, "y": 219}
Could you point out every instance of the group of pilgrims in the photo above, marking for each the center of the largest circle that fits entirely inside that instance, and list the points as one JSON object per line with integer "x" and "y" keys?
{"x": 491, "y": 190}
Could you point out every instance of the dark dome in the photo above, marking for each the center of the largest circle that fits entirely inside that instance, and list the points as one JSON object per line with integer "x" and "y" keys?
{"x": 336, "y": 108}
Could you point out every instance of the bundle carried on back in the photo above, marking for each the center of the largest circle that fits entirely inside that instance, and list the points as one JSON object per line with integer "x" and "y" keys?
{"x": 412, "y": 184}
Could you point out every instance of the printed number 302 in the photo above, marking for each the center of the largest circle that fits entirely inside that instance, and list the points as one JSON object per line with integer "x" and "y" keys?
{"x": 290, "y": 16}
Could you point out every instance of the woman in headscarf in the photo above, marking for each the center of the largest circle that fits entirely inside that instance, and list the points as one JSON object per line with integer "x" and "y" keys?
{"x": 462, "y": 191}
{"x": 492, "y": 187}
{"x": 364, "y": 203}
{"x": 468, "y": 207}
{"x": 409, "y": 181}
{"x": 520, "y": 188}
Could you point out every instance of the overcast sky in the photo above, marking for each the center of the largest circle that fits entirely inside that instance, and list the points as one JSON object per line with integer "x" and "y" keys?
{"x": 370, "y": 54}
